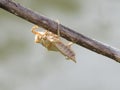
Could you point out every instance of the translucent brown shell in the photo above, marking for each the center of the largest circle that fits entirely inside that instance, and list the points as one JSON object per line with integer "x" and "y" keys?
{"x": 53, "y": 43}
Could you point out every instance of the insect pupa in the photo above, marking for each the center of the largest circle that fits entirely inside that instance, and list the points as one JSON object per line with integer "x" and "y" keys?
{"x": 53, "y": 42}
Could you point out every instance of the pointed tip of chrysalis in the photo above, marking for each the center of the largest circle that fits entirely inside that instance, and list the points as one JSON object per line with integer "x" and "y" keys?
{"x": 73, "y": 59}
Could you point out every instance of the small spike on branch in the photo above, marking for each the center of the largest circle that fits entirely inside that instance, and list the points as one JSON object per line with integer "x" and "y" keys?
{"x": 65, "y": 32}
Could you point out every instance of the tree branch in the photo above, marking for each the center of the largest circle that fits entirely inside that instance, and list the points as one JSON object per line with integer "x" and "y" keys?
{"x": 65, "y": 32}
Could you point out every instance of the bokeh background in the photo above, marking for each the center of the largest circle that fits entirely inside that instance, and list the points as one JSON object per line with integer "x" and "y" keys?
{"x": 25, "y": 65}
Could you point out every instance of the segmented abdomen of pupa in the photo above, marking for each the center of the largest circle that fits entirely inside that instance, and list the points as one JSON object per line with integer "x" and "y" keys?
{"x": 66, "y": 51}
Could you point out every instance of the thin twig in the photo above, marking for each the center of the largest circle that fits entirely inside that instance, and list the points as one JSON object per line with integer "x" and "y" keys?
{"x": 65, "y": 32}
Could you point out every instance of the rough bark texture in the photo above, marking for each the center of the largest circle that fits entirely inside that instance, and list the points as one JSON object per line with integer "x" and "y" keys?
{"x": 65, "y": 32}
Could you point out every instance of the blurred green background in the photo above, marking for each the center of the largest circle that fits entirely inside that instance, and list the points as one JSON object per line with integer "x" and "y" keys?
{"x": 25, "y": 65}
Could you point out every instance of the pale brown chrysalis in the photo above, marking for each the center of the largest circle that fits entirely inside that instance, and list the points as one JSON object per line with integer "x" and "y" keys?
{"x": 52, "y": 42}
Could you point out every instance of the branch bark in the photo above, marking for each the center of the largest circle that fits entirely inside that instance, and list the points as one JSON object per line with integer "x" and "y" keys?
{"x": 65, "y": 32}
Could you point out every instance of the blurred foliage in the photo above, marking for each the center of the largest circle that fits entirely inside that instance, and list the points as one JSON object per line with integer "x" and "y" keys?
{"x": 12, "y": 46}
{"x": 63, "y": 5}
{"x": 60, "y": 5}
